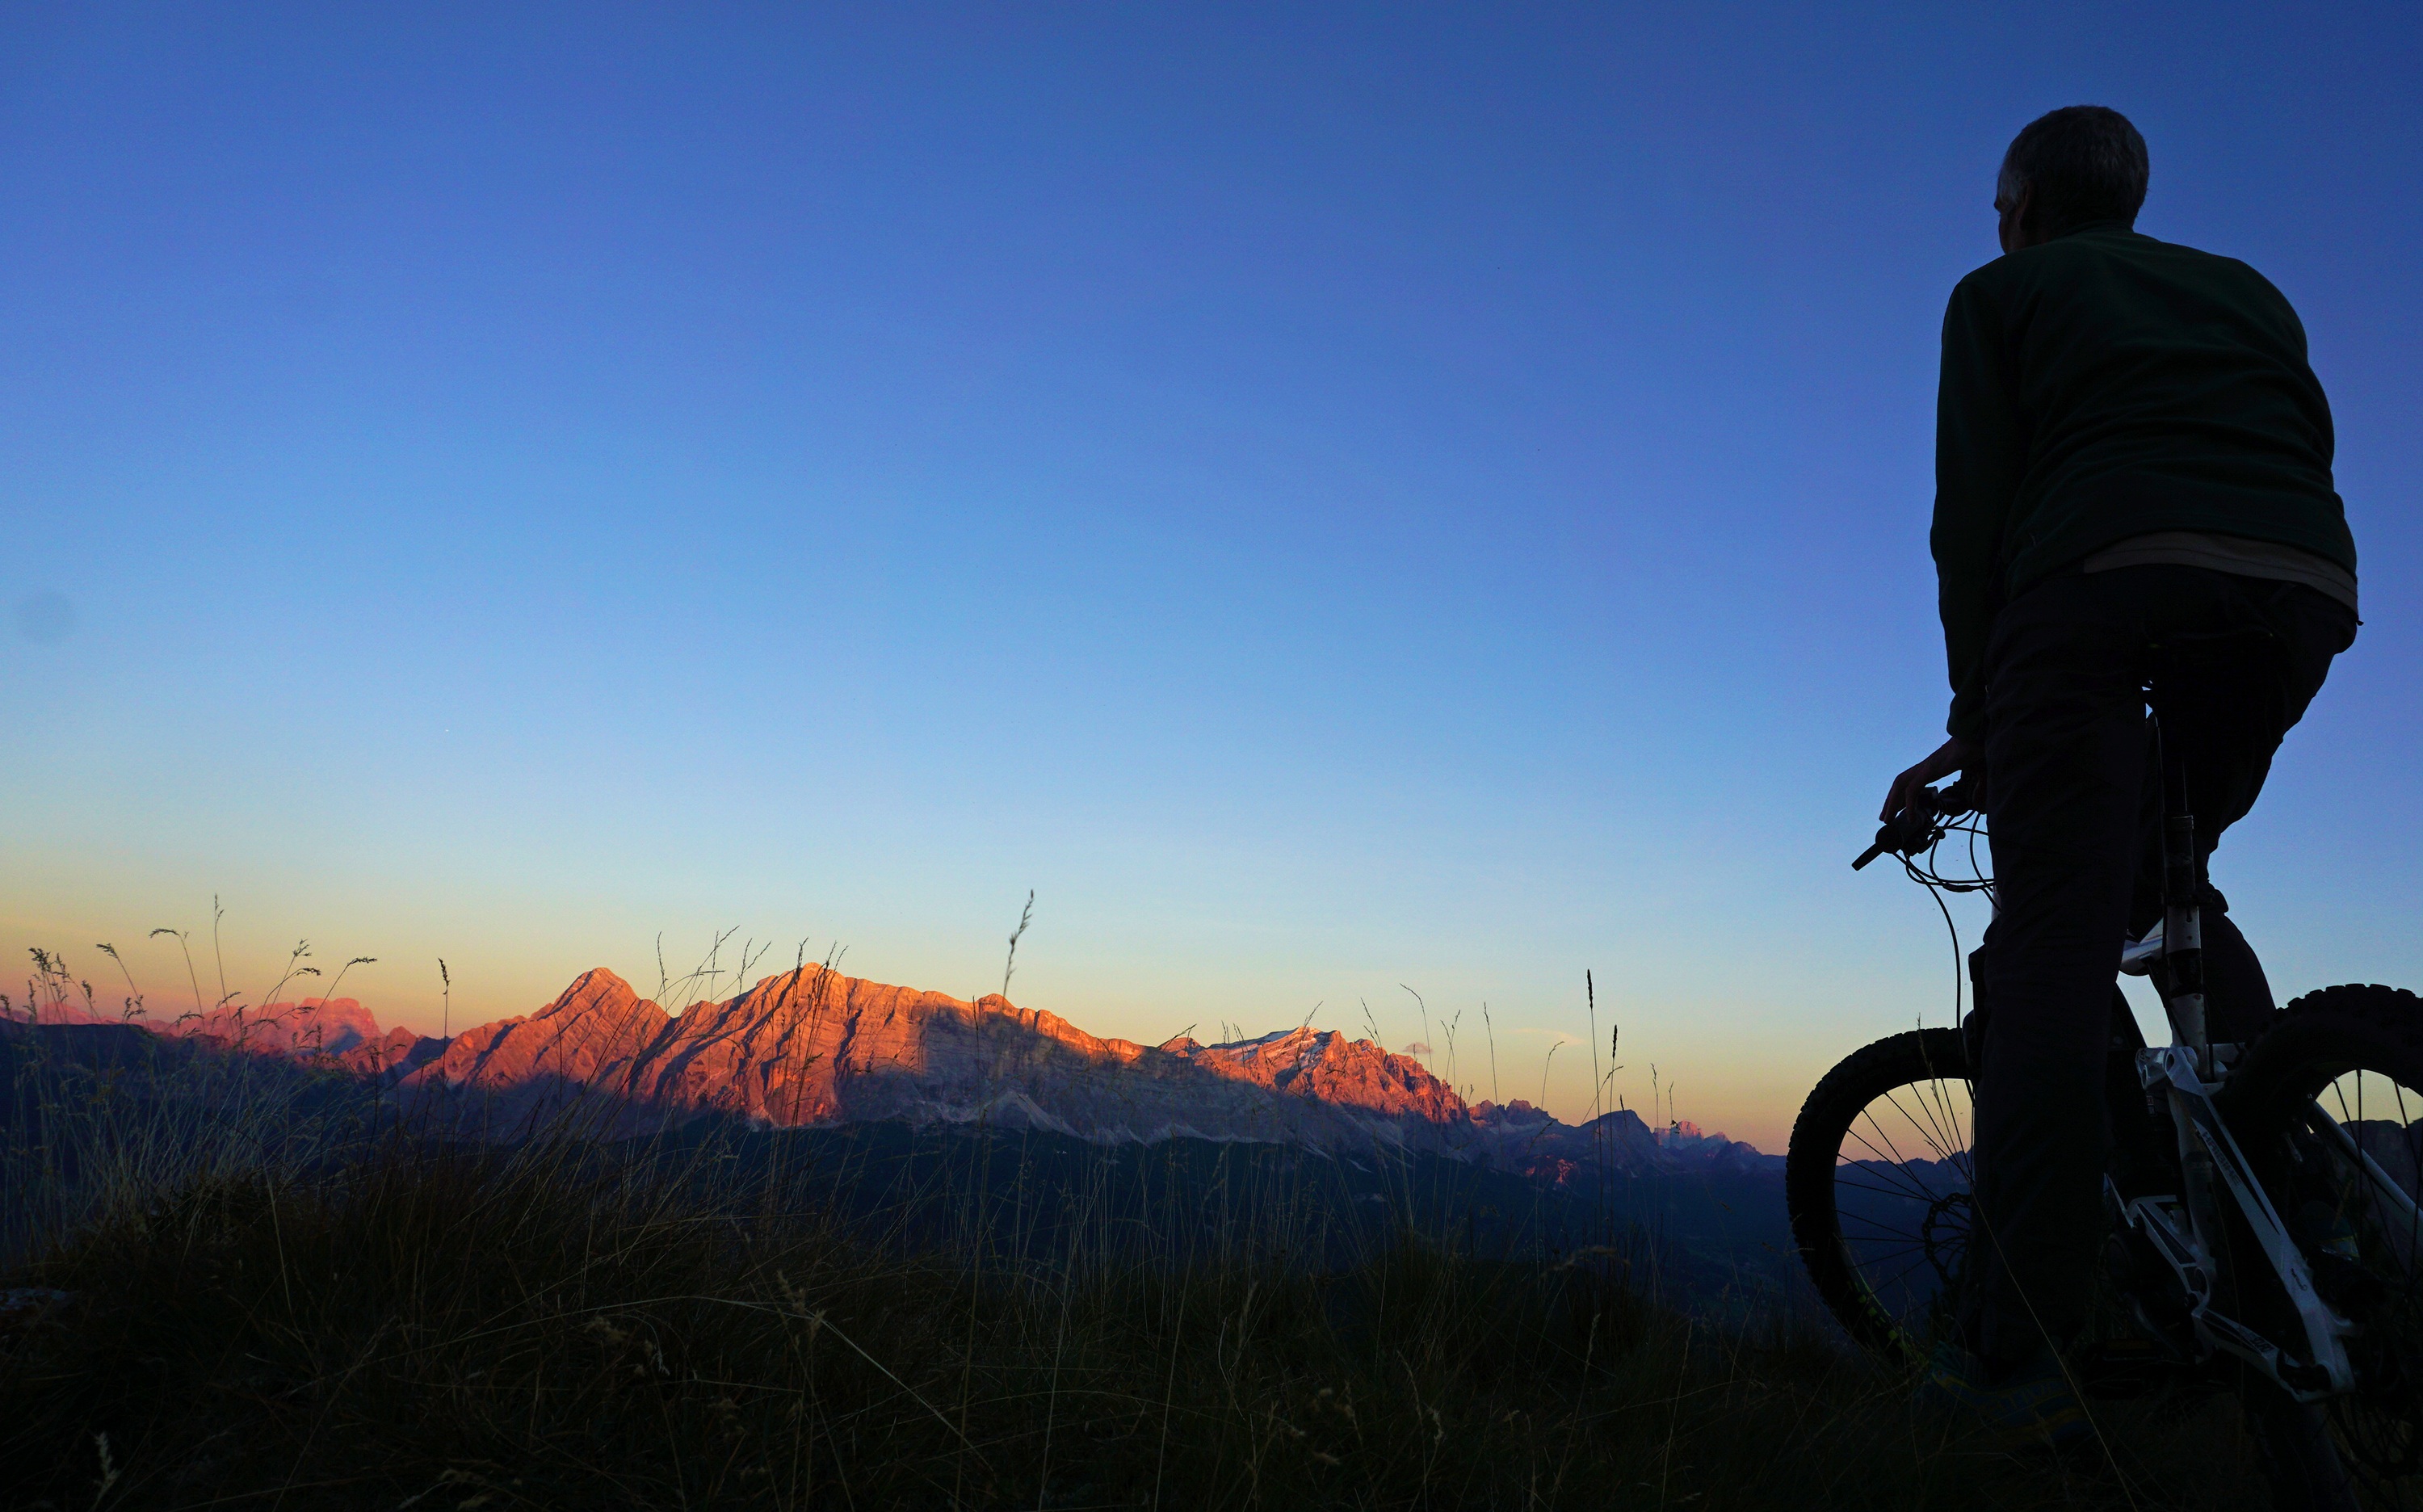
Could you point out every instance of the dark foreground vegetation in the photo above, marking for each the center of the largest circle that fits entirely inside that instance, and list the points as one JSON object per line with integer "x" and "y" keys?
{"x": 228, "y": 1285}
{"x": 454, "y": 1328}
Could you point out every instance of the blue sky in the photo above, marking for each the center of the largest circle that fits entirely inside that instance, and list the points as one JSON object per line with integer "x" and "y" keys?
{"x": 1330, "y": 497}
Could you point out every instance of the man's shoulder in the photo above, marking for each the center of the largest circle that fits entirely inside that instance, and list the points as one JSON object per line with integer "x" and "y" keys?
{"x": 1988, "y": 286}
{"x": 2093, "y": 254}
{"x": 2108, "y": 245}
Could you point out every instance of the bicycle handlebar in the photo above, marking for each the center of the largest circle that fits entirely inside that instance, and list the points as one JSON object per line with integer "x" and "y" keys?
{"x": 1920, "y": 825}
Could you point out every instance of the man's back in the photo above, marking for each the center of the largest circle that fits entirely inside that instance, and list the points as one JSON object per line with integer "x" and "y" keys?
{"x": 2103, "y": 387}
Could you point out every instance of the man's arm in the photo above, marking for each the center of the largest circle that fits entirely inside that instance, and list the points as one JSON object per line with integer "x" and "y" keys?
{"x": 1955, "y": 755}
{"x": 1977, "y": 464}
{"x": 1976, "y": 472}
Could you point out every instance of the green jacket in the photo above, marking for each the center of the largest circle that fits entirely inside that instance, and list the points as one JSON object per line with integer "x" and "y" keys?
{"x": 2105, "y": 385}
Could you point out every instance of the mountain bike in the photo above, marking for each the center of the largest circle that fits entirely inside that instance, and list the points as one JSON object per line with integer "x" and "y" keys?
{"x": 2263, "y": 1235}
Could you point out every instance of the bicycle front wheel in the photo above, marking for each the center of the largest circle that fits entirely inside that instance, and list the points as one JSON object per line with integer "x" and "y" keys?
{"x": 1878, "y": 1180}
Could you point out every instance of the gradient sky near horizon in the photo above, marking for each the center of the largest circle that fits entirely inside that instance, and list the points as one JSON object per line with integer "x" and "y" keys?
{"x": 1333, "y": 498}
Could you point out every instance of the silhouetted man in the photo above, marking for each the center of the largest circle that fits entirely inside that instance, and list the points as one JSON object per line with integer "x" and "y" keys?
{"x": 2132, "y": 453}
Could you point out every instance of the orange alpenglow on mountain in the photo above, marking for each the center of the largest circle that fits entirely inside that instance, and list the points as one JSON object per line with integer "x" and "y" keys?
{"x": 814, "y": 1048}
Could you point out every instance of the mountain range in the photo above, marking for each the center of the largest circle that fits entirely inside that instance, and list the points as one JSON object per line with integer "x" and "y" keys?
{"x": 816, "y": 1049}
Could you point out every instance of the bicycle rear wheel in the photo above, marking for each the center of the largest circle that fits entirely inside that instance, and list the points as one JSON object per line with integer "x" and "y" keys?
{"x": 2328, "y": 1106}
{"x": 1878, "y": 1180}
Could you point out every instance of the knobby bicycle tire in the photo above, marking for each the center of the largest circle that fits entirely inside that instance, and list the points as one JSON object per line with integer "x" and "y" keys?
{"x": 2300, "y": 1456}
{"x": 2353, "y": 1031}
{"x": 1905, "y": 1059}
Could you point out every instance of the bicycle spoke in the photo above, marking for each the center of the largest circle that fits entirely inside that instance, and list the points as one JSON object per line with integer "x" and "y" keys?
{"x": 1933, "y": 1143}
{"x": 1939, "y": 1102}
{"x": 1897, "y": 1277}
{"x": 1884, "y": 1164}
{"x": 1872, "y": 1264}
{"x": 1891, "y": 1154}
{"x": 1908, "y": 1193}
{"x": 1898, "y": 1215}
{"x": 1896, "y": 1157}
{"x": 1877, "y": 1230}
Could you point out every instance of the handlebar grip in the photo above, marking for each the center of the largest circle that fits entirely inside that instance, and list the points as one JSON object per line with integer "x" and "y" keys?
{"x": 1919, "y": 826}
{"x": 1963, "y": 797}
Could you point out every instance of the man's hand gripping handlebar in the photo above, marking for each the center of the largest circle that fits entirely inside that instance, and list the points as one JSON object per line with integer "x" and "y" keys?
{"x": 1918, "y": 826}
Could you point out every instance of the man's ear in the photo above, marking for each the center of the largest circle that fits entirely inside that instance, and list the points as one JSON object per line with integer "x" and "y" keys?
{"x": 2015, "y": 231}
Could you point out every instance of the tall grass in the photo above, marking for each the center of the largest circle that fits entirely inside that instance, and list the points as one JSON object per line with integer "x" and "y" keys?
{"x": 268, "y": 1295}
{"x": 99, "y": 1118}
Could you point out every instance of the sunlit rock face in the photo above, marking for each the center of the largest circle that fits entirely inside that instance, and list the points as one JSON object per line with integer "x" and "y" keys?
{"x": 813, "y": 1047}
{"x": 1326, "y": 1067}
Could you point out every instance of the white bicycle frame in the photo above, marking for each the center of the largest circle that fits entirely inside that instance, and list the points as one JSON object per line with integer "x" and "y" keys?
{"x": 2183, "y": 1227}
{"x": 2176, "y": 1228}
{"x": 2187, "y": 1228}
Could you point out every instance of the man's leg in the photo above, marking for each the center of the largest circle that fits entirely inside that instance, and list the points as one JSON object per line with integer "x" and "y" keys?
{"x": 2229, "y": 713}
{"x": 2065, "y": 760}
{"x": 2068, "y": 783}
{"x": 2238, "y": 997}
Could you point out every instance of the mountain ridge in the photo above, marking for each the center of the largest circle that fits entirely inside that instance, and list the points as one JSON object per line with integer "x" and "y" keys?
{"x": 814, "y": 1048}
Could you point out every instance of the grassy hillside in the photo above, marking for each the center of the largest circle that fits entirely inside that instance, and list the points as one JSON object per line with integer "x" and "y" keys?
{"x": 232, "y": 1287}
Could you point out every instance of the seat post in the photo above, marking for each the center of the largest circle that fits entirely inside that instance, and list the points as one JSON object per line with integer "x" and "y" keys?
{"x": 2183, "y": 918}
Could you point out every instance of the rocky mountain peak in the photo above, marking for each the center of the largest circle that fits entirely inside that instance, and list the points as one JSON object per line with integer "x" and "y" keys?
{"x": 813, "y": 1047}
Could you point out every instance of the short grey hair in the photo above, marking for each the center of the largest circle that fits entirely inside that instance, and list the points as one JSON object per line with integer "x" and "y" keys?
{"x": 2085, "y": 164}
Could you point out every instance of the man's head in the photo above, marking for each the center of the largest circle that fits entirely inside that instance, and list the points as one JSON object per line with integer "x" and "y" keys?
{"x": 2068, "y": 168}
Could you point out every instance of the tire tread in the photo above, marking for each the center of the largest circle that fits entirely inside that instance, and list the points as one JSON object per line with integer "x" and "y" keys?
{"x": 1894, "y": 1061}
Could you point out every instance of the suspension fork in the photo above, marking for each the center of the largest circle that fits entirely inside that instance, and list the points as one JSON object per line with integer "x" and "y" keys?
{"x": 2214, "y": 1172}
{"x": 2184, "y": 974}
{"x": 2182, "y": 915}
